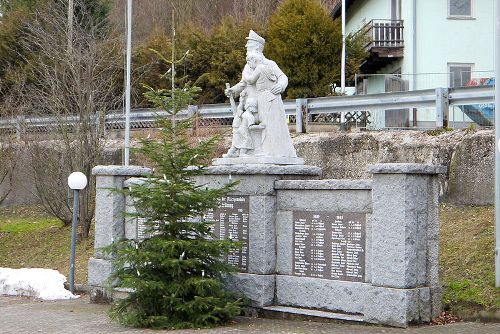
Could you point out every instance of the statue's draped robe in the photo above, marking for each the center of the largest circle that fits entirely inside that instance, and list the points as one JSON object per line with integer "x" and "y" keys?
{"x": 276, "y": 140}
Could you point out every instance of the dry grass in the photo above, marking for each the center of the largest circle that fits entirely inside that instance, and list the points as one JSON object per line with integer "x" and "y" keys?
{"x": 29, "y": 238}
{"x": 467, "y": 258}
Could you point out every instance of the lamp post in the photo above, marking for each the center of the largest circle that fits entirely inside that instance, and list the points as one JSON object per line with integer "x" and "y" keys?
{"x": 76, "y": 181}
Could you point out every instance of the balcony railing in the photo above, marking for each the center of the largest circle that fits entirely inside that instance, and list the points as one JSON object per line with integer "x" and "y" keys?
{"x": 383, "y": 34}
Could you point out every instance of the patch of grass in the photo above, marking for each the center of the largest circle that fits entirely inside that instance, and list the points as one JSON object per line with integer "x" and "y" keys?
{"x": 437, "y": 132}
{"x": 467, "y": 258}
{"x": 29, "y": 238}
{"x": 21, "y": 225}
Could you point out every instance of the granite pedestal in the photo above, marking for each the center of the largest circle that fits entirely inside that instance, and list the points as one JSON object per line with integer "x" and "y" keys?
{"x": 360, "y": 250}
{"x": 256, "y": 182}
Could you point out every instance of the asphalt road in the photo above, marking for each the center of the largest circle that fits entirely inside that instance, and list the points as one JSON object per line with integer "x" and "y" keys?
{"x": 24, "y": 315}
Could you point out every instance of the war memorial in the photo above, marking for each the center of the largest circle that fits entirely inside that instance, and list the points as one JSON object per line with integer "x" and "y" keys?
{"x": 357, "y": 250}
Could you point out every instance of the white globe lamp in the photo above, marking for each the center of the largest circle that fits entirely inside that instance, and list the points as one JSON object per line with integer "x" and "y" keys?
{"x": 77, "y": 181}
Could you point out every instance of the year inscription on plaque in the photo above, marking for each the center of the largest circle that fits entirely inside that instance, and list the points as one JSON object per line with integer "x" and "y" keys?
{"x": 231, "y": 222}
{"x": 329, "y": 245}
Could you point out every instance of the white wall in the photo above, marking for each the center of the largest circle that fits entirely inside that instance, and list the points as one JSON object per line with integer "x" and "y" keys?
{"x": 441, "y": 40}
{"x": 362, "y": 11}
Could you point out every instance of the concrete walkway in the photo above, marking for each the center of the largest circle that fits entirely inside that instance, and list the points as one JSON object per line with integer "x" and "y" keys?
{"x": 23, "y": 315}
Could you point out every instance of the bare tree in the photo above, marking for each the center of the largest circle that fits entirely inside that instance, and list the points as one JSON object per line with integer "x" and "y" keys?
{"x": 155, "y": 14}
{"x": 77, "y": 86}
{"x": 9, "y": 149}
{"x": 7, "y": 165}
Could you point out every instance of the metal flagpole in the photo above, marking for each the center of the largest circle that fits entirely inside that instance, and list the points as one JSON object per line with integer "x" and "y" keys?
{"x": 342, "y": 64}
{"x": 127, "y": 85}
{"x": 342, "y": 70}
{"x": 497, "y": 146}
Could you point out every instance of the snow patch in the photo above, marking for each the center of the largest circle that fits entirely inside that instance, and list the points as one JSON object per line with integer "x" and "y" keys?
{"x": 40, "y": 283}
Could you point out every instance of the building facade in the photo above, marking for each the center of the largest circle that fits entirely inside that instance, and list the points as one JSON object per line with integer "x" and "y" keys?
{"x": 421, "y": 44}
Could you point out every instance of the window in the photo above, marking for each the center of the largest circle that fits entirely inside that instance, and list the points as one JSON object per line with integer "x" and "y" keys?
{"x": 460, "y": 74}
{"x": 460, "y": 8}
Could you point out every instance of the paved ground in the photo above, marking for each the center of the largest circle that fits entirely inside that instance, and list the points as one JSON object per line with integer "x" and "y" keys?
{"x": 23, "y": 315}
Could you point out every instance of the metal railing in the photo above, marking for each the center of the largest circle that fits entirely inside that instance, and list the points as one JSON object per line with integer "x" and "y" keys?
{"x": 301, "y": 111}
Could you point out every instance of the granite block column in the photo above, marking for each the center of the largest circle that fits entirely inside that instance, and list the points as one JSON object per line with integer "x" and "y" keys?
{"x": 109, "y": 223}
{"x": 405, "y": 234}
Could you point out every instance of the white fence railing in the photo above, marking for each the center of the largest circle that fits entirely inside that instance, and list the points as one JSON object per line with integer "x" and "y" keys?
{"x": 439, "y": 99}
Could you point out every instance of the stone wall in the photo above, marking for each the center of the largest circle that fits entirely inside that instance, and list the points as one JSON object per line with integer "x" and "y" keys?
{"x": 23, "y": 188}
{"x": 469, "y": 156}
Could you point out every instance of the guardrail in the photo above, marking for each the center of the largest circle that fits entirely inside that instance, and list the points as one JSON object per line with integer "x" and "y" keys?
{"x": 439, "y": 98}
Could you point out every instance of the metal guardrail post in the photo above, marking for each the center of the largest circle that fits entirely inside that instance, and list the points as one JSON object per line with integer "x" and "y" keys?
{"x": 442, "y": 107}
{"x": 301, "y": 115}
{"x": 192, "y": 110}
{"x": 343, "y": 123}
{"x": 100, "y": 120}
{"x": 19, "y": 130}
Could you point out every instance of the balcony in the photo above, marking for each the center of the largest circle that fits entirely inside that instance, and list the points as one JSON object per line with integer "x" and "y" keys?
{"x": 384, "y": 42}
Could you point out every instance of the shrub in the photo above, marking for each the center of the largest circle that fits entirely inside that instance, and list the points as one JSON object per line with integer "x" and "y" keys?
{"x": 306, "y": 43}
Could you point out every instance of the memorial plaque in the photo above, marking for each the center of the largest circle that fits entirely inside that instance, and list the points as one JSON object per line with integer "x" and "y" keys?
{"x": 329, "y": 245}
{"x": 141, "y": 228}
{"x": 231, "y": 222}
{"x": 143, "y": 232}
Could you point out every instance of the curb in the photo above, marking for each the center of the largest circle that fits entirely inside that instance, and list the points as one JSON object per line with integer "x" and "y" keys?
{"x": 79, "y": 288}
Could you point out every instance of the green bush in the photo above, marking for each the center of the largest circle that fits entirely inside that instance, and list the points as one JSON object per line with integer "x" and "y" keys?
{"x": 214, "y": 58}
{"x": 306, "y": 43}
{"x": 217, "y": 57}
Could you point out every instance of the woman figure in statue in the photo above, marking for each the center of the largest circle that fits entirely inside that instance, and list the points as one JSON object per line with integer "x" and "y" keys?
{"x": 276, "y": 140}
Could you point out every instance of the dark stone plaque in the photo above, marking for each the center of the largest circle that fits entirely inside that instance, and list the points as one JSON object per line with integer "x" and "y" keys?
{"x": 329, "y": 245}
{"x": 143, "y": 232}
{"x": 231, "y": 222}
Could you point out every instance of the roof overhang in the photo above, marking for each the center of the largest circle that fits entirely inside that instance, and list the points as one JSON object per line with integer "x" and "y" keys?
{"x": 336, "y": 11}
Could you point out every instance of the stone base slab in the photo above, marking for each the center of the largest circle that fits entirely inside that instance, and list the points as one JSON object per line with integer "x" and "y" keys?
{"x": 259, "y": 289}
{"x": 302, "y": 171}
{"x": 388, "y": 306}
{"x": 313, "y": 313}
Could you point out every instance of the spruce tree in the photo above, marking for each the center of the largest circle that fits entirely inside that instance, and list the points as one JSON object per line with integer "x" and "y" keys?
{"x": 174, "y": 275}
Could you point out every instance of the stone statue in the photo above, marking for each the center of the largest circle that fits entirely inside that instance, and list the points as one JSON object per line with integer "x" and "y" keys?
{"x": 265, "y": 138}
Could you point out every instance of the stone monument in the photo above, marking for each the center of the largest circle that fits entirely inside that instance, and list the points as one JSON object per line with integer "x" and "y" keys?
{"x": 357, "y": 250}
{"x": 260, "y": 130}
